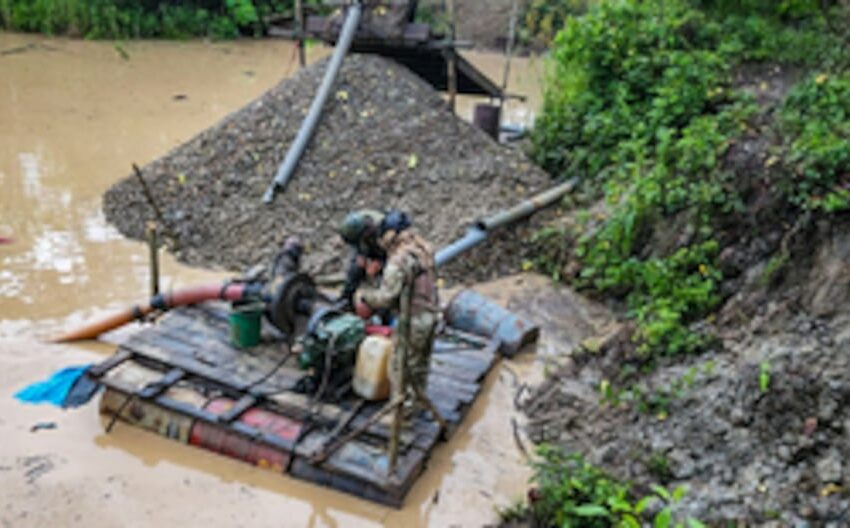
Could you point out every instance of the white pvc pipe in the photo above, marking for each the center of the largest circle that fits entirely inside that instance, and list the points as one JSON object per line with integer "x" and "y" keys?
{"x": 308, "y": 127}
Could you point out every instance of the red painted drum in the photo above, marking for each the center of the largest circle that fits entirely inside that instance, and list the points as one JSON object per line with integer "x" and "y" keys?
{"x": 234, "y": 445}
{"x": 217, "y": 438}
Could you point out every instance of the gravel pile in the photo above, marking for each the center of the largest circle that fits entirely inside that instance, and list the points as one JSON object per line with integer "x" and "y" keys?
{"x": 386, "y": 140}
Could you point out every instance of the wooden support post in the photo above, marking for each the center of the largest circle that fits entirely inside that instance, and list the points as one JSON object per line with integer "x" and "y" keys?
{"x": 451, "y": 56}
{"x": 153, "y": 248}
{"x": 509, "y": 51}
{"x": 156, "y": 210}
{"x": 399, "y": 361}
{"x": 395, "y": 435}
{"x": 299, "y": 23}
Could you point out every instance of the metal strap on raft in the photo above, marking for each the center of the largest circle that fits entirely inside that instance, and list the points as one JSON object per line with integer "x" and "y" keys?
{"x": 308, "y": 127}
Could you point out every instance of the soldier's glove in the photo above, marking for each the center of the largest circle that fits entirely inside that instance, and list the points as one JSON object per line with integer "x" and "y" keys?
{"x": 363, "y": 310}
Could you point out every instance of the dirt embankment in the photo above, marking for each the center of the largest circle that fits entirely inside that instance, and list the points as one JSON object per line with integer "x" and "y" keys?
{"x": 386, "y": 141}
{"x": 756, "y": 428}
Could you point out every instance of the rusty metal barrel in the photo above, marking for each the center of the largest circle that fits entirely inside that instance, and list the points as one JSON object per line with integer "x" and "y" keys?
{"x": 471, "y": 312}
{"x": 487, "y": 117}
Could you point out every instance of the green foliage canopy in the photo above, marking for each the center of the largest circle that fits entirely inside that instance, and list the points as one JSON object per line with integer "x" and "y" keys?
{"x": 115, "y": 19}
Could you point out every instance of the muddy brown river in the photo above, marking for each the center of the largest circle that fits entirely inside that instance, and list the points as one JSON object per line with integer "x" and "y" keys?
{"x": 73, "y": 116}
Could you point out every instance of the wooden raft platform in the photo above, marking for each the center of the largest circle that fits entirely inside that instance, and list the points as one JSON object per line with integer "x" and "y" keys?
{"x": 181, "y": 378}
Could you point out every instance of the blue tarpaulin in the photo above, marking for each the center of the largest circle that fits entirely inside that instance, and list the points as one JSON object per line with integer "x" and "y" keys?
{"x": 67, "y": 387}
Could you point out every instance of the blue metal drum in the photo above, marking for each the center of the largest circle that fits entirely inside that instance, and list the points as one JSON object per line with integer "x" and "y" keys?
{"x": 470, "y": 312}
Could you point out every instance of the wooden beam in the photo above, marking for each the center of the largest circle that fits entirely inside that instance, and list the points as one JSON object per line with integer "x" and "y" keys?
{"x": 299, "y": 24}
{"x": 451, "y": 56}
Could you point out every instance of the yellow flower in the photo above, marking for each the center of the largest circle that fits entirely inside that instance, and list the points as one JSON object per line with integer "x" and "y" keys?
{"x": 703, "y": 270}
{"x": 820, "y": 79}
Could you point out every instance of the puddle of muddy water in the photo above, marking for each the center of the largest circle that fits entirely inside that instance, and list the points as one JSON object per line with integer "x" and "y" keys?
{"x": 73, "y": 116}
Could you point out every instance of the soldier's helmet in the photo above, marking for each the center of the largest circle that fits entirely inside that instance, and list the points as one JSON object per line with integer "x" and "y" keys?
{"x": 395, "y": 220}
{"x": 358, "y": 224}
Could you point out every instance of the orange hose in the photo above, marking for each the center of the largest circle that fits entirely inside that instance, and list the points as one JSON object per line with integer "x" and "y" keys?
{"x": 194, "y": 295}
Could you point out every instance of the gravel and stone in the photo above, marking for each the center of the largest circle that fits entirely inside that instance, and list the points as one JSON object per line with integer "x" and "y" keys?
{"x": 386, "y": 140}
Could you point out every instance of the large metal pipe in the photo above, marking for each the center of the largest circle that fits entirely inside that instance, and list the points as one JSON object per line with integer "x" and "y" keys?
{"x": 474, "y": 236}
{"x": 528, "y": 207}
{"x": 195, "y": 295}
{"x": 478, "y": 232}
{"x": 308, "y": 127}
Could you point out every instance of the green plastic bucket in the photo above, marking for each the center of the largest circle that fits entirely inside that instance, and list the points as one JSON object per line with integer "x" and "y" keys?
{"x": 245, "y": 321}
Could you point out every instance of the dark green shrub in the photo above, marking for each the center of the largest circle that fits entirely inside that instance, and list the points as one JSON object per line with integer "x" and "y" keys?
{"x": 570, "y": 492}
{"x": 789, "y": 9}
{"x": 141, "y": 18}
{"x": 815, "y": 122}
{"x": 639, "y": 104}
{"x": 542, "y": 19}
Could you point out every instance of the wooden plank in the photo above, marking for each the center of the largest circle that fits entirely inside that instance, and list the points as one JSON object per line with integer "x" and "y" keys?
{"x": 453, "y": 373}
{"x": 354, "y": 470}
{"x": 464, "y": 392}
{"x": 476, "y": 367}
{"x": 130, "y": 376}
{"x": 188, "y": 330}
{"x": 257, "y": 361}
{"x": 295, "y": 410}
{"x": 158, "y": 354}
{"x": 233, "y": 370}
{"x": 303, "y": 470}
{"x": 426, "y": 434}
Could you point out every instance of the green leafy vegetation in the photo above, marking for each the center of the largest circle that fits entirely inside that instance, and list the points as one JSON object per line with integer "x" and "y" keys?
{"x": 570, "y": 492}
{"x": 764, "y": 377}
{"x": 121, "y": 19}
{"x": 657, "y": 401}
{"x": 639, "y": 105}
{"x": 542, "y": 19}
{"x": 815, "y": 123}
{"x": 643, "y": 102}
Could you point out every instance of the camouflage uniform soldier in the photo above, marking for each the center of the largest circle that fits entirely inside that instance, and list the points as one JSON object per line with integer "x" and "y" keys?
{"x": 360, "y": 230}
{"x": 409, "y": 270}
